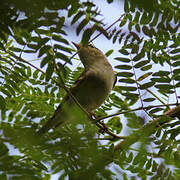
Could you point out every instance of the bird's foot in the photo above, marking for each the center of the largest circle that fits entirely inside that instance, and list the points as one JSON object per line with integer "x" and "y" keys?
{"x": 104, "y": 128}
{"x": 92, "y": 115}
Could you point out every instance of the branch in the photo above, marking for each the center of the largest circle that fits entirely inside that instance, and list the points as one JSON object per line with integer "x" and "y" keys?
{"x": 107, "y": 28}
{"x": 147, "y": 129}
{"x": 106, "y": 130}
{"x": 132, "y": 110}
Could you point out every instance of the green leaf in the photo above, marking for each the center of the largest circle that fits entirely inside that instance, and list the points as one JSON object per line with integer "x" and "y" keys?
{"x": 145, "y": 68}
{"x": 33, "y": 46}
{"x": 10, "y": 116}
{"x": 125, "y": 74}
{"x": 77, "y": 17}
{"x": 144, "y": 76}
{"x": 60, "y": 39}
{"x": 35, "y": 74}
{"x": 130, "y": 25}
{"x": 116, "y": 35}
{"x": 161, "y": 79}
{"x": 86, "y": 36}
{"x": 108, "y": 53}
{"x": 15, "y": 49}
{"x": 45, "y": 61}
{"x": 137, "y": 28}
{"x": 155, "y": 110}
{"x": 13, "y": 84}
{"x": 139, "y": 56}
{"x": 126, "y": 6}
{"x": 128, "y": 88}
{"x": 123, "y": 51}
{"x": 155, "y": 20}
{"x": 42, "y": 31}
{"x": 177, "y": 63}
{"x": 2, "y": 46}
{"x": 141, "y": 63}
{"x": 62, "y": 48}
{"x": 63, "y": 57}
{"x": 102, "y": 31}
{"x": 149, "y": 99}
{"x": 130, "y": 157}
{"x": 4, "y": 150}
{"x": 143, "y": 18}
{"x": 49, "y": 71}
{"x": 122, "y": 59}
{"x": 146, "y": 31}
{"x": 8, "y": 44}
{"x": 161, "y": 73}
{"x": 123, "y": 21}
{"x": 149, "y": 163}
{"x": 19, "y": 40}
{"x": 174, "y": 51}
{"x": 136, "y": 18}
{"x": 126, "y": 67}
{"x": 44, "y": 50}
{"x": 131, "y": 81}
{"x": 135, "y": 49}
{"x": 164, "y": 86}
{"x": 2, "y": 103}
{"x": 137, "y": 159}
{"x": 147, "y": 85}
{"x": 83, "y": 23}
{"x": 176, "y": 57}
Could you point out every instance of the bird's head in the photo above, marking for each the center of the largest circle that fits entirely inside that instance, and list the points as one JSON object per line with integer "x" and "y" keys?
{"x": 89, "y": 54}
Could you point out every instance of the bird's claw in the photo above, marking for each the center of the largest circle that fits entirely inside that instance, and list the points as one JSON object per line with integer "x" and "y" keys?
{"x": 103, "y": 129}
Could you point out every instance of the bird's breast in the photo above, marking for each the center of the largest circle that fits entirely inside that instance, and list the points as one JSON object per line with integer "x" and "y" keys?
{"x": 95, "y": 89}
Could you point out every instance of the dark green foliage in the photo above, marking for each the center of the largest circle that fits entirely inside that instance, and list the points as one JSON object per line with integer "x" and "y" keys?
{"x": 35, "y": 61}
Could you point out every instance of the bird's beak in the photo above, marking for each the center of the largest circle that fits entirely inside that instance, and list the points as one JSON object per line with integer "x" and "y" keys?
{"x": 78, "y": 46}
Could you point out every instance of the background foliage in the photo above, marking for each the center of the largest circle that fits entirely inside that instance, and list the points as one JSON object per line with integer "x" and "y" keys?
{"x": 35, "y": 61}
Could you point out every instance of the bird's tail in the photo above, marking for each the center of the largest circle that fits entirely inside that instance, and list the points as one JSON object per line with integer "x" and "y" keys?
{"x": 49, "y": 124}
{"x": 57, "y": 118}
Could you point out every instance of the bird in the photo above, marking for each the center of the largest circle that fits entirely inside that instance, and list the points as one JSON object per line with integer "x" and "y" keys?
{"x": 90, "y": 90}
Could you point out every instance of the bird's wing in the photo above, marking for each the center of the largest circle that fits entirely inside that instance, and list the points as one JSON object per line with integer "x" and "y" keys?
{"x": 79, "y": 82}
{"x": 54, "y": 121}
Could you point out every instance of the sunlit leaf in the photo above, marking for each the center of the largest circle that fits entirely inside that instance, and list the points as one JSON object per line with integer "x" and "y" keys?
{"x": 144, "y": 76}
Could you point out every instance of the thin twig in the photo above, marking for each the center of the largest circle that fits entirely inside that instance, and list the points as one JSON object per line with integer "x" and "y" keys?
{"x": 109, "y": 132}
{"x": 107, "y": 28}
{"x": 132, "y": 110}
